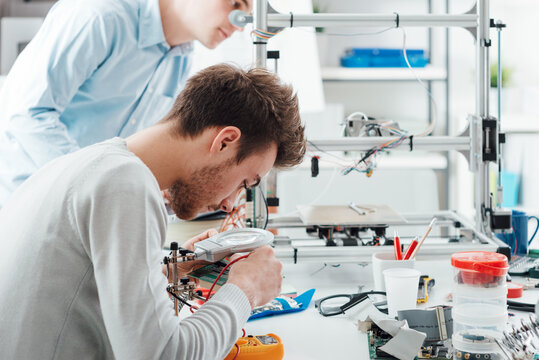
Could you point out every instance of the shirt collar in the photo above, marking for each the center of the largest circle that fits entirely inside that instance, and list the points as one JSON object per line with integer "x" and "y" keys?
{"x": 151, "y": 29}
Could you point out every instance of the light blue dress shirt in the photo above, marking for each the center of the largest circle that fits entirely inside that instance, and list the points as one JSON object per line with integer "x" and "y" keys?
{"x": 95, "y": 70}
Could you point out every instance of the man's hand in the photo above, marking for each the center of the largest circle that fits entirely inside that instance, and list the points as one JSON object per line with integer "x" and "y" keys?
{"x": 190, "y": 244}
{"x": 259, "y": 276}
{"x": 186, "y": 267}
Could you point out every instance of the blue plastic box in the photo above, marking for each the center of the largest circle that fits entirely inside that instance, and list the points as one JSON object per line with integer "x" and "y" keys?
{"x": 376, "y": 57}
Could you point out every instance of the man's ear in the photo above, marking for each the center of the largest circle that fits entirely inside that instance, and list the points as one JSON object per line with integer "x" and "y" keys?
{"x": 225, "y": 139}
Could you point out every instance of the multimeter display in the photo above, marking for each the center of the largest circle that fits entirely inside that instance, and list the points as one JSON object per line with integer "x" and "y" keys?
{"x": 267, "y": 340}
{"x": 263, "y": 347}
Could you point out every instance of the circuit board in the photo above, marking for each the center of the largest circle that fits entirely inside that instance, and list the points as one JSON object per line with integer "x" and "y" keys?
{"x": 377, "y": 338}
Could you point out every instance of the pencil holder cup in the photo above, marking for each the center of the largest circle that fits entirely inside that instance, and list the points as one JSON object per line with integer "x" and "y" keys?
{"x": 383, "y": 261}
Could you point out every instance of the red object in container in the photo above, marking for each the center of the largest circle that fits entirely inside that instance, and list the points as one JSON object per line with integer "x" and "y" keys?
{"x": 410, "y": 250}
{"x": 480, "y": 267}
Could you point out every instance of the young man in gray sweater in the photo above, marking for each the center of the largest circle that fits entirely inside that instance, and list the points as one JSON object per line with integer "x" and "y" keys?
{"x": 81, "y": 241}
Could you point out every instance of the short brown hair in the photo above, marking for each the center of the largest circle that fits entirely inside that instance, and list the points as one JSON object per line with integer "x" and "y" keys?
{"x": 255, "y": 101}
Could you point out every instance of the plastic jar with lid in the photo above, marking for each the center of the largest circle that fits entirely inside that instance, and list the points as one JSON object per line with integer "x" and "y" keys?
{"x": 479, "y": 303}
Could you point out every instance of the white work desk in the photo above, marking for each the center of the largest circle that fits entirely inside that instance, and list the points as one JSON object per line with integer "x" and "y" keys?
{"x": 309, "y": 335}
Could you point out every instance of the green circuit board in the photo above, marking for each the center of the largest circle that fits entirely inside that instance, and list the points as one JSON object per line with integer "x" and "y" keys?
{"x": 377, "y": 338}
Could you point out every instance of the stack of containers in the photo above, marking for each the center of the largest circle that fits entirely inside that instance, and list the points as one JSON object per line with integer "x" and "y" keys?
{"x": 479, "y": 304}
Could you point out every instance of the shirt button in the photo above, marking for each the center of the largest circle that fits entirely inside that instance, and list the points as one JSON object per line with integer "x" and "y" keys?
{"x": 133, "y": 121}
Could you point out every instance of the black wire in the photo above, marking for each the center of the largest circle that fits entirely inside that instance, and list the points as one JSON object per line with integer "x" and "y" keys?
{"x": 514, "y": 305}
{"x": 177, "y": 297}
{"x": 267, "y": 210}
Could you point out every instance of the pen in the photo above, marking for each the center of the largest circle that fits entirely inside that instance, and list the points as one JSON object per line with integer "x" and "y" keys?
{"x": 423, "y": 238}
{"x": 397, "y": 245}
{"x": 411, "y": 248}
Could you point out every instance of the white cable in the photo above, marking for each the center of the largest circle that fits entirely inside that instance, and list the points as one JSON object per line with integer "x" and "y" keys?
{"x": 431, "y": 125}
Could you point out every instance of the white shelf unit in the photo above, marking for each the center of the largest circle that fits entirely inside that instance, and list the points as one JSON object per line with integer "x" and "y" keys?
{"x": 428, "y": 73}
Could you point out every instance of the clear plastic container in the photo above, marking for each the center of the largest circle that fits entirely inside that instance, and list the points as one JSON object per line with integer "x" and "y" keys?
{"x": 479, "y": 304}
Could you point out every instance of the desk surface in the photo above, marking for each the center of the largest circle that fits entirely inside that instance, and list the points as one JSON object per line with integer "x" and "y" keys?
{"x": 308, "y": 335}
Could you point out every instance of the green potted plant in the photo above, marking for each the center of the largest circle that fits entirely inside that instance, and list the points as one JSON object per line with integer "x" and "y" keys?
{"x": 507, "y": 73}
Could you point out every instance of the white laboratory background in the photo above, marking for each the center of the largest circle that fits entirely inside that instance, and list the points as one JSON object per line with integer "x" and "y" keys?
{"x": 407, "y": 181}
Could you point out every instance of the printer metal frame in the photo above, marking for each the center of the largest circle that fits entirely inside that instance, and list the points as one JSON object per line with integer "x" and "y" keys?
{"x": 479, "y": 142}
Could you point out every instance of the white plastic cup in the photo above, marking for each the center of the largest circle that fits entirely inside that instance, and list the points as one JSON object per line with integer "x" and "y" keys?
{"x": 401, "y": 289}
{"x": 382, "y": 261}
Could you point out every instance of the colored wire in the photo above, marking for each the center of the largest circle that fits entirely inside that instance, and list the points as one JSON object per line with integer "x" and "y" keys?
{"x": 236, "y": 216}
{"x": 403, "y": 135}
{"x": 178, "y": 298}
{"x": 222, "y": 272}
{"x": 267, "y": 209}
{"x": 264, "y": 35}
{"x": 237, "y": 353}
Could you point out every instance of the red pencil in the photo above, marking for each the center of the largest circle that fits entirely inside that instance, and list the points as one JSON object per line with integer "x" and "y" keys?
{"x": 397, "y": 245}
{"x": 411, "y": 249}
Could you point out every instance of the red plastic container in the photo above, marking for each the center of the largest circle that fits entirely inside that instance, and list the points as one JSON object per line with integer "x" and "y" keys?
{"x": 481, "y": 268}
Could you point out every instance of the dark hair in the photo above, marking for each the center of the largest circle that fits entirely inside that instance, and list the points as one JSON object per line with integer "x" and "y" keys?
{"x": 255, "y": 101}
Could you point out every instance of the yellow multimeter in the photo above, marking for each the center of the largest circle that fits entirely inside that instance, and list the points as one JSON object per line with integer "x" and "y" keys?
{"x": 266, "y": 347}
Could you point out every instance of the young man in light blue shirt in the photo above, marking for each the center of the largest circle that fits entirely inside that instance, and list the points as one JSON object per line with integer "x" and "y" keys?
{"x": 99, "y": 69}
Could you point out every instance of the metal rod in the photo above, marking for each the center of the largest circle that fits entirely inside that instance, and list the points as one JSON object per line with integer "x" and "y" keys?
{"x": 433, "y": 143}
{"x": 173, "y": 261}
{"x": 500, "y": 191}
{"x": 343, "y": 254}
{"x": 482, "y": 84}
{"x": 260, "y": 11}
{"x": 347, "y": 254}
{"x": 387, "y": 20}
{"x": 260, "y": 18}
{"x": 448, "y": 173}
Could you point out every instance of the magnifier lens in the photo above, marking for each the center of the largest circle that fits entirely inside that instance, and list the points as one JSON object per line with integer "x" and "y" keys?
{"x": 240, "y": 239}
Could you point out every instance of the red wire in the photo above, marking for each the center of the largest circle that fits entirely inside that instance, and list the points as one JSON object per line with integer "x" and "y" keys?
{"x": 237, "y": 353}
{"x": 243, "y": 330}
{"x": 222, "y": 271}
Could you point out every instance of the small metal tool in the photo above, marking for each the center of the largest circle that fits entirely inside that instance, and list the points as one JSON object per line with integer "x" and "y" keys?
{"x": 359, "y": 210}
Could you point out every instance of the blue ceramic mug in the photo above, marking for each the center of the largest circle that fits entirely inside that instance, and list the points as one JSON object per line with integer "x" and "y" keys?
{"x": 518, "y": 238}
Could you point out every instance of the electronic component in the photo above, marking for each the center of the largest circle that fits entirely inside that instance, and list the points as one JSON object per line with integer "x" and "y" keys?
{"x": 430, "y": 350}
{"x": 522, "y": 265}
{"x": 501, "y": 219}
{"x": 436, "y": 322}
{"x": 212, "y": 249}
{"x": 267, "y": 347}
{"x": 209, "y": 273}
{"x": 314, "y": 166}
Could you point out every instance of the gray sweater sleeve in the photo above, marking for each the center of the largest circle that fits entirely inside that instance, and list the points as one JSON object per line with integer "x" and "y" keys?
{"x": 121, "y": 219}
